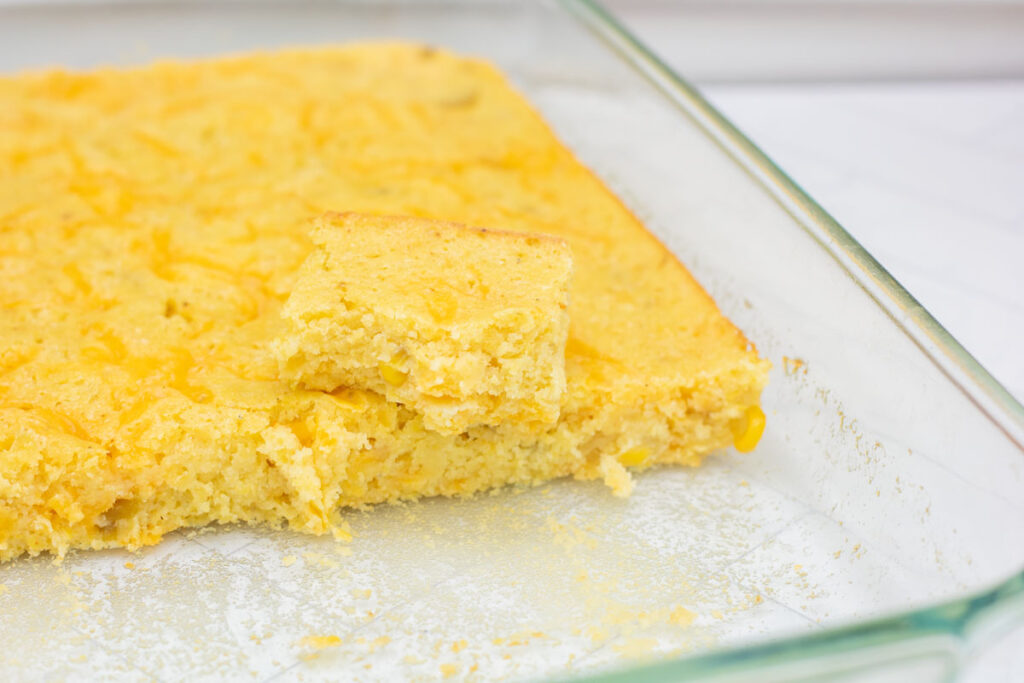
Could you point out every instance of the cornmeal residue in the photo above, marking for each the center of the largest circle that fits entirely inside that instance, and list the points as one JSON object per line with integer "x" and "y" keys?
{"x": 320, "y": 642}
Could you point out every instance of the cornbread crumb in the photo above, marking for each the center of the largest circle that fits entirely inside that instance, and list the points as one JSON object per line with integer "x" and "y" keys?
{"x": 465, "y": 326}
{"x": 681, "y": 616}
{"x": 320, "y": 642}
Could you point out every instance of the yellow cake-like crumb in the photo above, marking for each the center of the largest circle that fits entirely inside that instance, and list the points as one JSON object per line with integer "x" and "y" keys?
{"x": 152, "y": 225}
{"x": 320, "y": 642}
{"x": 465, "y": 326}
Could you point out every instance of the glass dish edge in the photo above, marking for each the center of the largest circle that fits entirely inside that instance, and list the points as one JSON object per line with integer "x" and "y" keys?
{"x": 942, "y": 628}
{"x": 948, "y": 629}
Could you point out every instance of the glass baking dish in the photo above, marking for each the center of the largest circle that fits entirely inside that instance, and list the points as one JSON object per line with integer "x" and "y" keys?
{"x": 875, "y": 533}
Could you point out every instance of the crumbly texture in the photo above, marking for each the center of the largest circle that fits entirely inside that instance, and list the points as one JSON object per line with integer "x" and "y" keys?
{"x": 151, "y": 228}
{"x": 465, "y": 326}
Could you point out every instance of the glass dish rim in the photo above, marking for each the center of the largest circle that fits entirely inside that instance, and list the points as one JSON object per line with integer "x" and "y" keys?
{"x": 945, "y": 628}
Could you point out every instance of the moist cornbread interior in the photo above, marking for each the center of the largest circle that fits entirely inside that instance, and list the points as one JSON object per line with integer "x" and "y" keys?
{"x": 151, "y": 226}
{"x": 465, "y": 326}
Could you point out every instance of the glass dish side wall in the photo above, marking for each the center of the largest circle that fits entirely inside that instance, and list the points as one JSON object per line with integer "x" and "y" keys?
{"x": 888, "y": 488}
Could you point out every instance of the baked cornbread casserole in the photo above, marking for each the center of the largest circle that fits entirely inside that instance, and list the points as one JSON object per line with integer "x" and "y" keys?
{"x": 465, "y": 326}
{"x": 152, "y": 225}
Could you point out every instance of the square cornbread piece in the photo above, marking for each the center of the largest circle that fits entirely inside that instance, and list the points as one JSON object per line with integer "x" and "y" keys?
{"x": 463, "y": 325}
{"x": 149, "y": 244}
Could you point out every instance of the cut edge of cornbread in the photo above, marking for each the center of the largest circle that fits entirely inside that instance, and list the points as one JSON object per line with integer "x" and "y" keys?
{"x": 319, "y": 453}
{"x": 463, "y": 325}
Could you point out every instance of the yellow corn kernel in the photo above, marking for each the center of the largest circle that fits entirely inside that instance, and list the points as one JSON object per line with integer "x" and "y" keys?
{"x": 747, "y": 430}
{"x": 635, "y": 456}
{"x": 392, "y": 371}
{"x": 347, "y": 399}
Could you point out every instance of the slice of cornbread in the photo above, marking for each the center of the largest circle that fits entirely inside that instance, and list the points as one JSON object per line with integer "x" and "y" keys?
{"x": 147, "y": 244}
{"x": 463, "y": 325}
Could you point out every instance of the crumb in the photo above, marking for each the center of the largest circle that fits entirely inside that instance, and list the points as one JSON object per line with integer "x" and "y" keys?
{"x": 794, "y": 365}
{"x": 320, "y": 642}
{"x": 129, "y": 565}
{"x": 449, "y": 670}
{"x": 288, "y": 560}
{"x": 681, "y": 616}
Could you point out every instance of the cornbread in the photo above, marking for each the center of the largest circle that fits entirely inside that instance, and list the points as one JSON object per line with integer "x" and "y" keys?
{"x": 464, "y": 326}
{"x": 152, "y": 226}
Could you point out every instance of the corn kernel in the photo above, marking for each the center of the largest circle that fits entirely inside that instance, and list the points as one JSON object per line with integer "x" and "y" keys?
{"x": 391, "y": 372}
{"x": 634, "y": 457}
{"x": 747, "y": 430}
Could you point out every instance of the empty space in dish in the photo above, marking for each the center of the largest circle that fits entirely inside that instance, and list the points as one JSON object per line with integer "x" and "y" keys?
{"x": 879, "y": 486}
